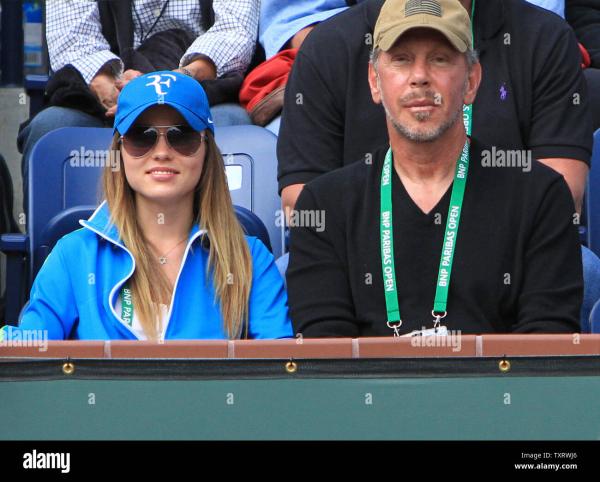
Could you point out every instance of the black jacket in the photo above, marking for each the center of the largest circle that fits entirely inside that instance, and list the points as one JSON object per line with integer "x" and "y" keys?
{"x": 584, "y": 17}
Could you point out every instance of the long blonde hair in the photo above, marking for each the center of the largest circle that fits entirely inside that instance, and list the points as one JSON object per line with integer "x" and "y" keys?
{"x": 229, "y": 256}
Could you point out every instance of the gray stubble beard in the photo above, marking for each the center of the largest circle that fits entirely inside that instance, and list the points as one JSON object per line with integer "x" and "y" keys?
{"x": 427, "y": 136}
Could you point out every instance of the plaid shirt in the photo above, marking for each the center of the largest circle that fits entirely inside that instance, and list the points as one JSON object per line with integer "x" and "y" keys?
{"x": 74, "y": 32}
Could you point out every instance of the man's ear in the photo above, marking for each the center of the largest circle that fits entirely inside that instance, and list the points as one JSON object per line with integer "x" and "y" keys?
{"x": 474, "y": 80}
{"x": 375, "y": 93}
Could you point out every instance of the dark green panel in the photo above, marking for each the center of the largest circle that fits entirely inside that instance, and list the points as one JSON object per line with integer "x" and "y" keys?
{"x": 432, "y": 408}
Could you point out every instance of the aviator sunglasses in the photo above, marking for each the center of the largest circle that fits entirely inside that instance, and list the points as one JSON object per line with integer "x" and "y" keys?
{"x": 140, "y": 140}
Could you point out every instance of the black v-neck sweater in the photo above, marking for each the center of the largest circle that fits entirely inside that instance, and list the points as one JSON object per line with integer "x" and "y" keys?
{"x": 517, "y": 265}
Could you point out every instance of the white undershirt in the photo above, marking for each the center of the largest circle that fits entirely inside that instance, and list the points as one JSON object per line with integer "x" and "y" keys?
{"x": 136, "y": 326}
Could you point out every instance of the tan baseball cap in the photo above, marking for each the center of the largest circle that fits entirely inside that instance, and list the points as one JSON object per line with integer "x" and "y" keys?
{"x": 448, "y": 17}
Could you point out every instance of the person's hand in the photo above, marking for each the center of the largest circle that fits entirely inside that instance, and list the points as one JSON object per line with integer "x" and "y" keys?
{"x": 201, "y": 69}
{"x": 104, "y": 87}
{"x": 296, "y": 41}
{"x": 112, "y": 111}
{"x": 127, "y": 77}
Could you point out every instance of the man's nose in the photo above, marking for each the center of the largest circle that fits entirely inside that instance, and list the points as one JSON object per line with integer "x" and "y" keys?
{"x": 419, "y": 75}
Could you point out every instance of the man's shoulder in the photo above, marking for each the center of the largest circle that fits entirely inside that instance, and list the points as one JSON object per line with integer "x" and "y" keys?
{"x": 347, "y": 29}
{"x": 515, "y": 168}
{"x": 351, "y": 178}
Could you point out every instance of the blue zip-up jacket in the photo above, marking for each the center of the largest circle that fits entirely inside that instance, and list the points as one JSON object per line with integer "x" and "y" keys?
{"x": 76, "y": 290}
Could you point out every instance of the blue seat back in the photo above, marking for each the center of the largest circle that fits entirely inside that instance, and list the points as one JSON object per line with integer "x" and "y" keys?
{"x": 595, "y": 318}
{"x": 66, "y": 167}
{"x": 593, "y": 199}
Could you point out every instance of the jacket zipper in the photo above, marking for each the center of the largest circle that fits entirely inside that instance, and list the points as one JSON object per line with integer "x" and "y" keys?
{"x": 187, "y": 249}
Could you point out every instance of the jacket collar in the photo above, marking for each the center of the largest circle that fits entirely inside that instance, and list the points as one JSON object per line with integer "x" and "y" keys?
{"x": 101, "y": 224}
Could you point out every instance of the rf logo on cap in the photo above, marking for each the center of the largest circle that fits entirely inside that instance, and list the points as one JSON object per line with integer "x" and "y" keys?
{"x": 157, "y": 82}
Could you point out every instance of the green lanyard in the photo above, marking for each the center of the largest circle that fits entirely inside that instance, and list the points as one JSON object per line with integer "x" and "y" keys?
{"x": 394, "y": 320}
{"x": 126, "y": 306}
{"x": 450, "y": 237}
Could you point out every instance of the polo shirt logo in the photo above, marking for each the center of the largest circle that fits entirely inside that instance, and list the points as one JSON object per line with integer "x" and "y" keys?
{"x": 428, "y": 7}
{"x": 503, "y": 92}
{"x": 158, "y": 82}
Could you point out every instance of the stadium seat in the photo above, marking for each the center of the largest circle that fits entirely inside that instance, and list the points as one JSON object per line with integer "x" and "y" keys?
{"x": 593, "y": 199}
{"x": 35, "y": 86}
{"x": 595, "y": 318}
{"x": 62, "y": 192}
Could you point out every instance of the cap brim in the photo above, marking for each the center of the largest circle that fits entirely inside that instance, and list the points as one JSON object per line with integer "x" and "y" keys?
{"x": 393, "y": 34}
{"x": 192, "y": 119}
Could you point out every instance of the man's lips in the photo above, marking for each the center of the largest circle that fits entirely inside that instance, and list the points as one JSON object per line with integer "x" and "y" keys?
{"x": 420, "y": 103}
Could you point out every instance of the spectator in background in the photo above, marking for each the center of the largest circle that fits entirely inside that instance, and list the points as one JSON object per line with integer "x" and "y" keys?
{"x": 584, "y": 17}
{"x": 284, "y": 24}
{"x": 283, "y": 27}
{"x": 556, "y": 6}
{"x": 96, "y": 48}
{"x": 166, "y": 252}
{"x": 371, "y": 268}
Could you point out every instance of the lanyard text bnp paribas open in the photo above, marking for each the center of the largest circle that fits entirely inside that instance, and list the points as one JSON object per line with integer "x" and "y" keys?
{"x": 394, "y": 321}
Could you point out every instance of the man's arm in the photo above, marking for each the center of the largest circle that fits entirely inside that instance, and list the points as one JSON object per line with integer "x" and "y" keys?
{"x": 575, "y": 173}
{"x": 560, "y": 135}
{"x": 228, "y": 45}
{"x": 74, "y": 36}
{"x": 289, "y": 196}
{"x": 311, "y": 137}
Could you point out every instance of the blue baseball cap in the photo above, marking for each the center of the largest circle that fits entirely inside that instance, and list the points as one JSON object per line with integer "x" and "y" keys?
{"x": 177, "y": 90}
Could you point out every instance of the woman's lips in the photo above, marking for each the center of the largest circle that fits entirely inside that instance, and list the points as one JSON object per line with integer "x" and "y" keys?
{"x": 159, "y": 174}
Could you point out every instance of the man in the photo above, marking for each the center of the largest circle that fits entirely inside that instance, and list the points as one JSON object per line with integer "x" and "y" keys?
{"x": 430, "y": 233}
{"x": 533, "y": 94}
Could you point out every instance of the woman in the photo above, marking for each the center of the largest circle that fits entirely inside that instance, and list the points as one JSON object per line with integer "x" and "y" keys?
{"x": 164, "y": 256}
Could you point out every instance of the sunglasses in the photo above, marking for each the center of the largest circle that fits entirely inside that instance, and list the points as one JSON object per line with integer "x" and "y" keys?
{"x": 140, "y": 140}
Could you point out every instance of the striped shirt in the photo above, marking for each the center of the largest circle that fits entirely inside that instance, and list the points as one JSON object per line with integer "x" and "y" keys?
{"x": 74, "y": 32}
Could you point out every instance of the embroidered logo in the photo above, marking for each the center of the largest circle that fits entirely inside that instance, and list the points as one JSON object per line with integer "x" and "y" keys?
{"x": 503, "y": 92}
{"x": 157, "y": 83}
{"x": 428, "y": 7}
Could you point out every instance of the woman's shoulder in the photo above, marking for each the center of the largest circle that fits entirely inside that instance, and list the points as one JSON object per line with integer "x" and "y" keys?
{"x": 256, "y": 245}
{"x": 77, "y": 243}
